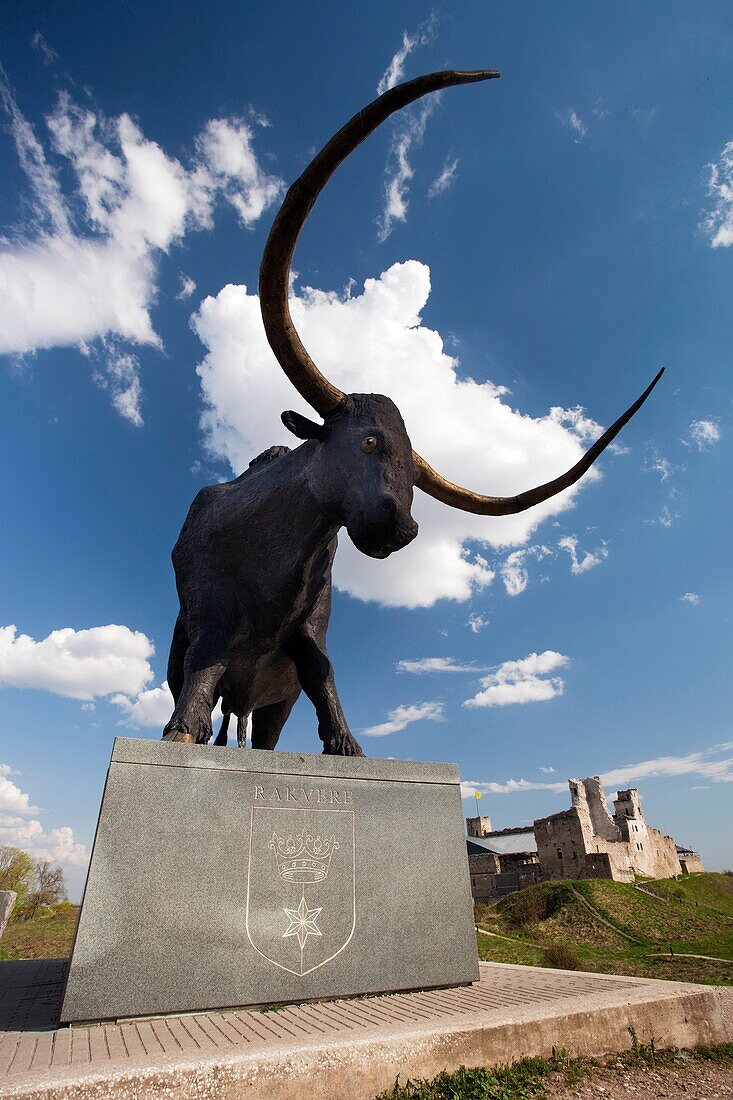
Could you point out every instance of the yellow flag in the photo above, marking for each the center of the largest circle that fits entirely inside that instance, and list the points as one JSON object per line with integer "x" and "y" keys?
{"x": 479, "y": 794}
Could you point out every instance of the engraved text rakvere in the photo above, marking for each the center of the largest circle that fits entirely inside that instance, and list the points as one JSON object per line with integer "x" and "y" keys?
{"x": 306, "y": 796}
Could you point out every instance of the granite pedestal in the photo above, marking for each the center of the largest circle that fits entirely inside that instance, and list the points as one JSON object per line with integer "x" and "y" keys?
{"x": 225, "y": 878}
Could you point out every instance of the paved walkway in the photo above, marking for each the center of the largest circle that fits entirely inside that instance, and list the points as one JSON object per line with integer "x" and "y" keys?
{"x": 334, "y": 1049}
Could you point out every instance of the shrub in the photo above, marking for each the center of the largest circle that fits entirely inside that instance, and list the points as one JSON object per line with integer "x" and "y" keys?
{"x": 535, "y": 904}
{"x": 17, "y": 872}
{"x": 560, "y": 957}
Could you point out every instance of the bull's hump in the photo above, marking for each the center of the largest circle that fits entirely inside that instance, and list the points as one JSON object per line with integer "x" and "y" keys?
{"x": 268, "y": 456}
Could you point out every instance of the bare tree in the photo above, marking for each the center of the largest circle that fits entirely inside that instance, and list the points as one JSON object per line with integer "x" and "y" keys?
{"x": 50, "y": 887}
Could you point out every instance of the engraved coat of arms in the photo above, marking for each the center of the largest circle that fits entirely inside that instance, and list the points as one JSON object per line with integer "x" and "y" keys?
{"x": 301, "y": 904}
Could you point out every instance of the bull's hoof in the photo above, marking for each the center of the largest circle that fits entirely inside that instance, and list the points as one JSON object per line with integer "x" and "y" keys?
{"x": 342, "y": 745}
{"x": 178, "y": 731}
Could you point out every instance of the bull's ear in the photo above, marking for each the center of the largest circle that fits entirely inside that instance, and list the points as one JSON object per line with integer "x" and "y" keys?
{"x": 302, "y": 426}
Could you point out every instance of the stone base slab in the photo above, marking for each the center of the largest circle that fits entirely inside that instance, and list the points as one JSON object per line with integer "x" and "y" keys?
{"x": 349, "y": 1049}
{"x": 223, "y": 877}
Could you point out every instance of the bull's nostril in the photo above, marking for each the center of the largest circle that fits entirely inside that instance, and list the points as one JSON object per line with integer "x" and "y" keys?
{"x": 388, "y": 510}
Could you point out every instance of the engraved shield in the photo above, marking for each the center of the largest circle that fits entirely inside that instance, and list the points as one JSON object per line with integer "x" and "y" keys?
{"x": 301, "y": 903}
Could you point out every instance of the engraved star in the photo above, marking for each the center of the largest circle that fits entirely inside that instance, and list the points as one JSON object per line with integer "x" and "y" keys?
{"x": 302, "y": 923}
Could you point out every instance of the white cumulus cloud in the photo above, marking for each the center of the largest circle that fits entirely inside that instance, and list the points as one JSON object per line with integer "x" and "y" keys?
{"x": 658, "y": 464}
{"x": 690, "y": 597}
{"x": 187, "y": 287}
{"x": 12, "y": 799}
{"x": 375, "y": 342}
{"x": 704, "y": 433}
{"x": 469, "y": 788}
{"x": 572, "y": 121}
{"x": 19, "y": 830}
{"x": 404, "y": 715}
{"x": 476, "y": 623}
{"x": 84, "y": 266}
{"x": 585, "y": 560}
{"x": 409, "y": 131}
{"x": 718, "y": 223}
{"x": 151, "y": 707}
{"x": 78, "y": 664}
{"x": 59, "y": 845}
{"x": 395, "y": 71}
{"x": 714, "y": 763}
{"x": 514, "y": 572}
{"x": 525, "y": 681}
{"x": 434, "y": 664}
{"x": 442, "y": 182}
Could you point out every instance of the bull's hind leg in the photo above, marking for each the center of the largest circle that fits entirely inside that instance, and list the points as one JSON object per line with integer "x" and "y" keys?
{"x": 267, "y": 722}
{"x": 203, "y": 667}
{"x": 223, "y": 735}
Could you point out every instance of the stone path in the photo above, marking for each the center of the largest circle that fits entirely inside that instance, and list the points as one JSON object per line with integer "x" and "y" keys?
{"x": 335, "y": 1049}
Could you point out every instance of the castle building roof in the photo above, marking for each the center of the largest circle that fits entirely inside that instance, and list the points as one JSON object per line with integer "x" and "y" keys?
{"x": 504, "y": 843}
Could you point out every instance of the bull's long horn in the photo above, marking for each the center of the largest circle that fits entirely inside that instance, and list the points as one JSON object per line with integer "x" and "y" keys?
{"x": 299, "y": 201}
{"x": 427, "y": 479}
{"x": 321, "y": 394}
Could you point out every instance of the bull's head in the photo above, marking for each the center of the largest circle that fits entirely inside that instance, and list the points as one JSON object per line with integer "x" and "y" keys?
{"x": 362, "y": 470}
{"x": 367, "y": 465}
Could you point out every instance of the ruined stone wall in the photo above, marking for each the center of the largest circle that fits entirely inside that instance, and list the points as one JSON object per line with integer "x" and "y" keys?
{"x": 691, "y": 864}
{"x": 569, "y": 846}
{"x": 517, "y": 862}
{"x": 561, "y": 844}
{"x": 651, "y": 852}
{"x": 586, "y": 842}
{"x": 483, "y": 870}
{"x": 487, "y": 885}
{"x": 602, "y": 824}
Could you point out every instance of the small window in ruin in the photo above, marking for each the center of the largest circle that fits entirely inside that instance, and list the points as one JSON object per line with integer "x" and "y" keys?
{"x": 559, "y": 853}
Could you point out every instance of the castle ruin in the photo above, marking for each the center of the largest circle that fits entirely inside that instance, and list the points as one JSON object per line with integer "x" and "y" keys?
{"x": 584, "y": 841}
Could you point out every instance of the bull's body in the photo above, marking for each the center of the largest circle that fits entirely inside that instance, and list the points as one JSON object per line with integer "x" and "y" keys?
{"x": 253, "y": 571}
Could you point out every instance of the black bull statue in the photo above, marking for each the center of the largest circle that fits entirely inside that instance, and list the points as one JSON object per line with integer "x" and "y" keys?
{"x": 253, "y": 560}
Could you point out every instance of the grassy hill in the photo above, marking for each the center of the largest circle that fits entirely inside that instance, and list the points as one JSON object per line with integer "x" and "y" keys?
{"x": 615, "y": 928}
{"x": 47, "y": 936}
{"x": 589, "y": 924}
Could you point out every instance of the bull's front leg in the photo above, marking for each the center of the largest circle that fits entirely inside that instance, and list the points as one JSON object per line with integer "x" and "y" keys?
{"x": 316, "y": 678}
{"x": 204, "y": 665}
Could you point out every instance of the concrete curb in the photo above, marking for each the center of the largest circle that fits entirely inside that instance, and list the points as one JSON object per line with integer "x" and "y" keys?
{"x": 356, "y": 1049}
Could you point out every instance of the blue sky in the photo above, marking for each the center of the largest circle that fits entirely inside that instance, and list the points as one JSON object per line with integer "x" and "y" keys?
{"x": 512, "y": 267}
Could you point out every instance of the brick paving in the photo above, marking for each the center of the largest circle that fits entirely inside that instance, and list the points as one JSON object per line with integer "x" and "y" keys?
{"x": 35, "y": 1053}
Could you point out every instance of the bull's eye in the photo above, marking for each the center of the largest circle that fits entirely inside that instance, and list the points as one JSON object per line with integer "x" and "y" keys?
{"x": 369, "y": 444}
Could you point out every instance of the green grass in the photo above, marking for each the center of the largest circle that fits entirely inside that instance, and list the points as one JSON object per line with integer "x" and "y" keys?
{"x": 47, "y": 936}
{"x": 711, "y": 890}
{"x": 627, "y": 931}
{"x": 532, "y": 1076}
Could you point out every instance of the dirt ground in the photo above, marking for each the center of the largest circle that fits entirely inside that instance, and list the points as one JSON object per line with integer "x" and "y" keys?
{"x": 685, "y": 1082}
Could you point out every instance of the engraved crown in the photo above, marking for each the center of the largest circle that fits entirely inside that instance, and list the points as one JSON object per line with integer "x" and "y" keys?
{"x": 304, "y": 857}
